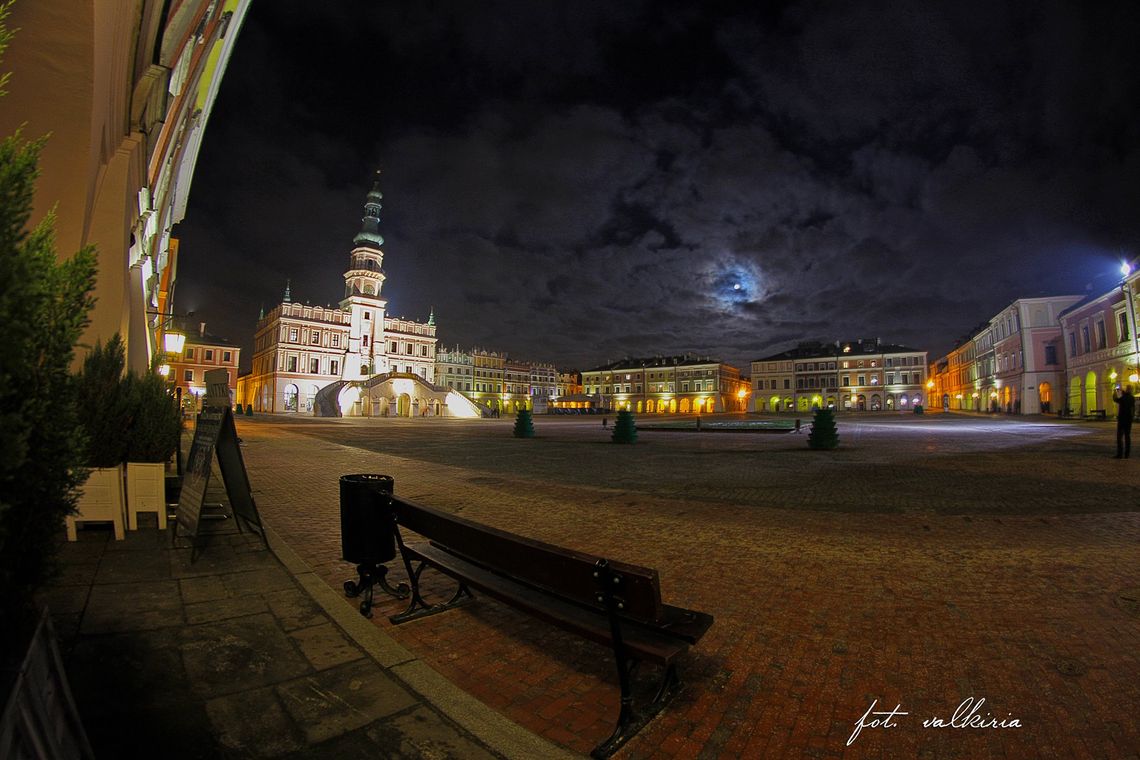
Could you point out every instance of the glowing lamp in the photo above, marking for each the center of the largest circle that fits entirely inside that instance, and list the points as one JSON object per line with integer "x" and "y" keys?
{"x": 164, "y": 370}
{"x": 929, "y": 383}
{"x": 173, "y": 342}
{"x": 1125, "y": 268}
{"x": 1133, "y": 378}
{"x": 1112, "y": 374}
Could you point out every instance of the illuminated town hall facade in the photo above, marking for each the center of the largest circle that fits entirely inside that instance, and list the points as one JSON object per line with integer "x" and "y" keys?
{"x": 360, "y": 360}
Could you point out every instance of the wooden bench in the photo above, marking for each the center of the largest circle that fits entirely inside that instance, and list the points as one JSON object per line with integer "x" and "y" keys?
{"x": 612, "y": 603}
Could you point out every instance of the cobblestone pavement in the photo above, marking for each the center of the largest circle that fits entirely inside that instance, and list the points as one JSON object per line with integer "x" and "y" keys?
{"x": 928, "y": 560}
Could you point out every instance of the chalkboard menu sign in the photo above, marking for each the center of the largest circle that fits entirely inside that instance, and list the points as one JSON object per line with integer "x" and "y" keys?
{"x": 215, "y": 434}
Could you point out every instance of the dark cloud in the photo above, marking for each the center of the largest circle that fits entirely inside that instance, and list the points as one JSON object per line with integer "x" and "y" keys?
{"x": 577, "y": 181}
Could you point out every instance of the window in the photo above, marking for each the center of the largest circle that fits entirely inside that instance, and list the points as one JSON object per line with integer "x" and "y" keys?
{"x": 862, "y": 379}
{"x": 209, "y": 355}
{"x": 392, "y": 347}
{"x": 888, "y": 364}
{"x": 368, "y": 315}
{"x": 1085, "y": 338}
{"x": 891, "y": 376}
{"x": 292, "y": 363}
{"x": 408, "y": 349}
{"x": 787, "y": 384}
{"x": 1101, "y": 335}
{"x": 846, "y": 380}
{"x": 292, "y": 334}
{"x": 1051, "y": 355}
{"x": 423, "y": 350}
{"x": 1073, "y": 344}
{"x": 188, "y": 375}
{"x": 334, "y": 367}
{"x": 315, "y": 337}
{"x": 335, "y": 339}
{"x": 314, "y": 366}
{"x": 227, "y": 357}
{"x": 189, "y": 353}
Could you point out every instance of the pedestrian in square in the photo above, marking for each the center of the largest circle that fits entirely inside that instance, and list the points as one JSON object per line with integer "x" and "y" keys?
{"x": 1125, "y": 410}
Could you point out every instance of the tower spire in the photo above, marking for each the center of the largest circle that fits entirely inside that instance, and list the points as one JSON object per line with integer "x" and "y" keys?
{"x": 431, "y": 317}
{"x": 369, "y": 234}
{"x": 287, "y": 298}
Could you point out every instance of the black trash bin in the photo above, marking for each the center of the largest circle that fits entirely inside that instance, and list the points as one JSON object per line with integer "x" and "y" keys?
{"x": 366, "y": 536}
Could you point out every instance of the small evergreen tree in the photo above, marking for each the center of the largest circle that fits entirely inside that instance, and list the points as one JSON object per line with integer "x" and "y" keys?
{"x": 824, "y": 434}
{"x": 625, "y": 429}
{"x": 105, "y": 412}
{"x": 155, "y": 419}
{"x": 44, "y": 306}
{"x": 524, "y": 424}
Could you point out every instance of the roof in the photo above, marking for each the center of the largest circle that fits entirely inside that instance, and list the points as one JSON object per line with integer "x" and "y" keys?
{"x": 860, "y": 347}
{"x": 655, "y": 361}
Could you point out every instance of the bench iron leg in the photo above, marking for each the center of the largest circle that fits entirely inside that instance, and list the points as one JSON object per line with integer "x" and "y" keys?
{"x": 370, "y": 575}
{"x": 419, "y": 608}
{"x": 630, "y": 719}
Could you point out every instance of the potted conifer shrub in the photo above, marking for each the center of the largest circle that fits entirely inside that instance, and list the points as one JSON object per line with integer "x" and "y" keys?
{"x": 105, "y": 416}
{"x": 152, "y": 438}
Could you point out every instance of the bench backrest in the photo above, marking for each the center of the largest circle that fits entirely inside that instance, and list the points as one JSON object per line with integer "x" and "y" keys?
{"x": 564, "y": 572}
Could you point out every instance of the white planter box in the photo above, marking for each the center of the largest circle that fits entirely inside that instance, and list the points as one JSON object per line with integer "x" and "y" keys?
{"x": 146, "y": 492}
{"x": 100, "y": 500}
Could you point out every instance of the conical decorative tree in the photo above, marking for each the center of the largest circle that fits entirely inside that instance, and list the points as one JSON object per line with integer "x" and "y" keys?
{"x": 824, "y": 434}
{"x": 524, "y": 424}
{"x": 625, "y": 430}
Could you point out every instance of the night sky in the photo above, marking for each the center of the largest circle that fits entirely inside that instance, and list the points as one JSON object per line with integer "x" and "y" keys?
{"x": 581, "y": 181}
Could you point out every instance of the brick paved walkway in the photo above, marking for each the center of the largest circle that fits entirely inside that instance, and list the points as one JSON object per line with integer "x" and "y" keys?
{"x": 926, "y": 562}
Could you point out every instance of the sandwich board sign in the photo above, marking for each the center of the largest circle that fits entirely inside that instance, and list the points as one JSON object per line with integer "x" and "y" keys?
{"x": 216, "y": 435}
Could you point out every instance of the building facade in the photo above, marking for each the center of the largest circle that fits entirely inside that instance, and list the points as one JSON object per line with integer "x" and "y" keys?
{"x": 667, "y": 385}
{"x": 201, "y": 353}
{"x": 495, "y": 382}
{"x": 300, "y": 349}
{"x": 125, "y": 88}
{"x": 1101, "y": 350}
{"x": 858, "y": 375}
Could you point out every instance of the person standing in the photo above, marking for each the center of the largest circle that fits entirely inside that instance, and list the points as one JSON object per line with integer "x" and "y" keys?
{"x": 1125, "y": 410}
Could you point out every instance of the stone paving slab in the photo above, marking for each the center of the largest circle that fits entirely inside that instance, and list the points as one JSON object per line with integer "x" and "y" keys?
{"x": 231, "y": 657}
{"x": 929, "y": 563}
